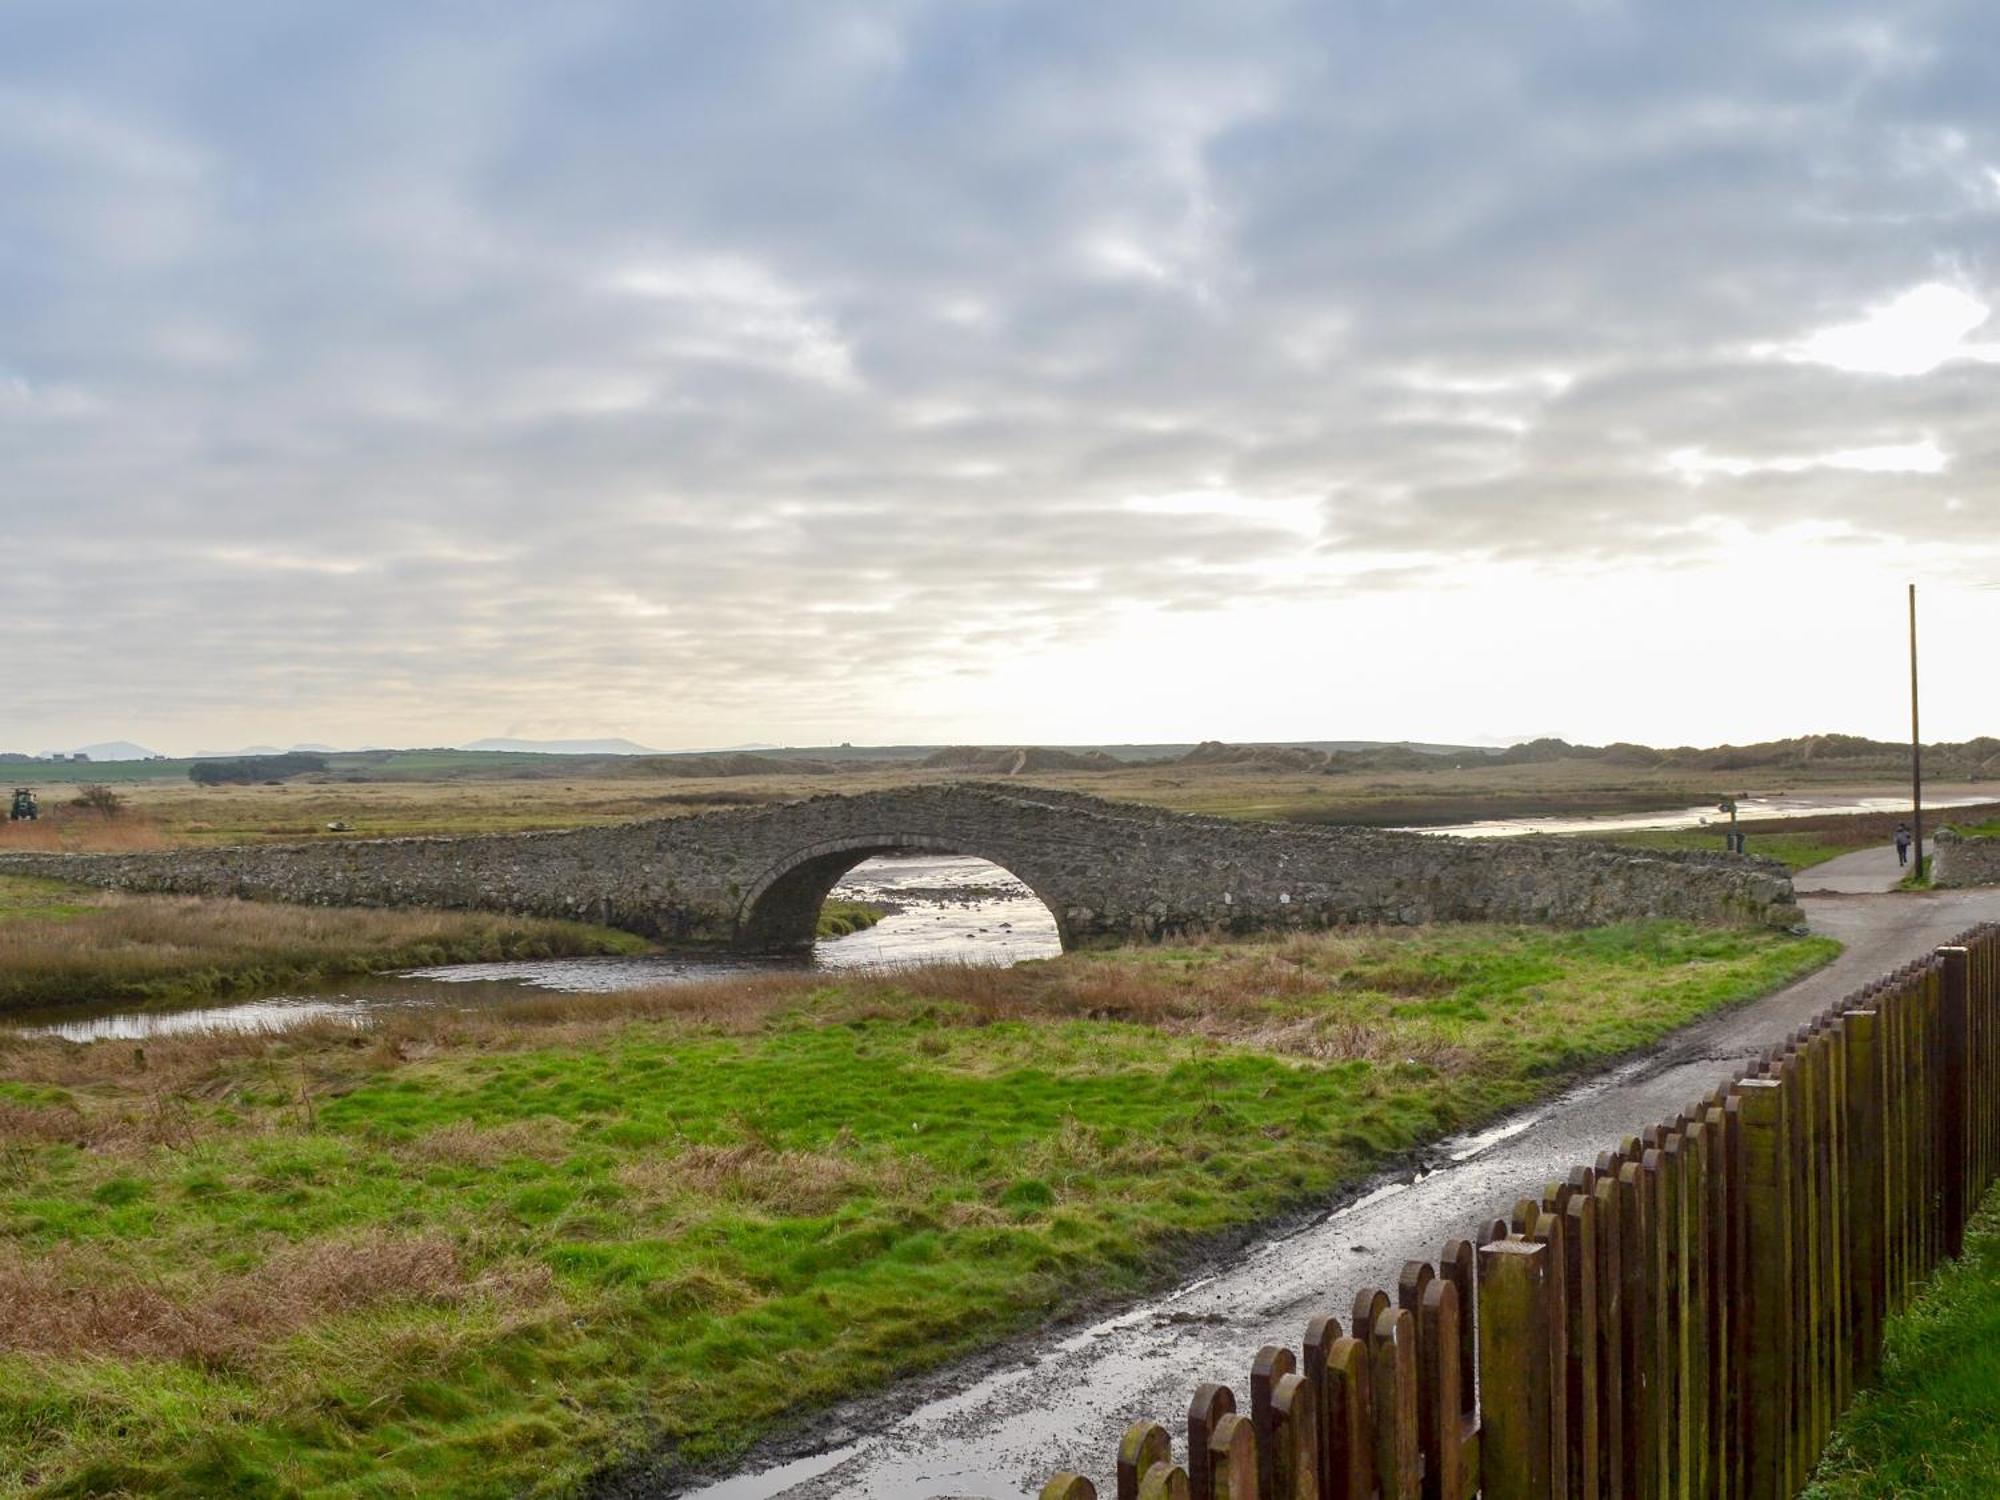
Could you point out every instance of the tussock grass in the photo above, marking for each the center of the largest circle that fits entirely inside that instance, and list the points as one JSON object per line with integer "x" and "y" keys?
{"x": 1930, "y": 1427}
{"x": 483, "y": 1254}
{"x": 63, "y": 946}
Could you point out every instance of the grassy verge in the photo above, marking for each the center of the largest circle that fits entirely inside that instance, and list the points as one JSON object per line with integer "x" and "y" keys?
{"x": 1931, "y": 1424}
{"x": 485, "y": 1254}
{"x": 1797, "y": 851}
{"x": 64, "y": 946}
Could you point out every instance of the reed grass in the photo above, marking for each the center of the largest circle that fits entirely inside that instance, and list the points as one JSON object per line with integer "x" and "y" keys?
{"x": 63, "y": 946}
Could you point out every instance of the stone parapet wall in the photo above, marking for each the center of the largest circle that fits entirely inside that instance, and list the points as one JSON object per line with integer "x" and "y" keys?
{"x": 1109, "y": 871}
{"x": 1960, "y": 861}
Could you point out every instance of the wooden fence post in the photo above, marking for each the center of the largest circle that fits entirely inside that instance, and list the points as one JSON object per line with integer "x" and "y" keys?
{"x": 1642, "y": 1355}
{"x": 1270, "y": 1365}
{"x": 1611, "y": 1356}
{"x": 1868, "y": 1287}
{"x": 1766, "y": 1309}
{"x": 1392, "y": 1375}
{"x": 1953, "y": 1102}
{"x": 1144, "y": 1446}
{"x": 1232, "y": 1459}
{"x": 1517, "y": 1359}
{"x": 1210, "y": 1405}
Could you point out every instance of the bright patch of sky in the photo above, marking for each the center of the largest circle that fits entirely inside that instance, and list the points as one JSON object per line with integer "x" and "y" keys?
{"x": 1912, "y": 334}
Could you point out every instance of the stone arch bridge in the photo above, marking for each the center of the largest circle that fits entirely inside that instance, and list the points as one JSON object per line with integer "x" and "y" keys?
{"x": 1108, "y": 871}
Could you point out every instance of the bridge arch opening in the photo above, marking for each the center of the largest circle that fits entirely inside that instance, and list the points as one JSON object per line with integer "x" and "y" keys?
{"x": 780, "y": 912}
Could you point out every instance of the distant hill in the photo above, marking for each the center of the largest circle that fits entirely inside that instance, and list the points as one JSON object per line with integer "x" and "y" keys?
{"x": 1975, "y": 759}
{"x": 116, "y": 750}
{"x": 989, "y": 762}
{"x": 1214, "y": 753}
{"x": 562, "y": 747}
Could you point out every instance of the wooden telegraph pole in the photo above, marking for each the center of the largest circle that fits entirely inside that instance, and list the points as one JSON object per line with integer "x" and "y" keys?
{"x": 1916, "y": 745}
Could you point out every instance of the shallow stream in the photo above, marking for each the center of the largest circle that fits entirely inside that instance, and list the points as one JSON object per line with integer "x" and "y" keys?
{"x": 948, "y": 909}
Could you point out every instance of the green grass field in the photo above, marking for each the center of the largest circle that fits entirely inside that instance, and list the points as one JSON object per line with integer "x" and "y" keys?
{"x": 1796, "y": 851}
{"x": 485, "y": 1254}
{"x": 1930, "y": 1427}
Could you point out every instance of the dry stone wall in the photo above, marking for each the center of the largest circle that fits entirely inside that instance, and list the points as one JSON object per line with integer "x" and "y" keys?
{"x": 1959, "y": 861}
{"x": 1108, "y": 871}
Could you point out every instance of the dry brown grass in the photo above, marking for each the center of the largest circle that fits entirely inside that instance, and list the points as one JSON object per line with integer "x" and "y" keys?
{"x": 76, "y": 1300}
{"x": 789, "y": 1183}
{"x": 119, "y": 947}
{"x": 1254, "y": 993}
{"x": 69, "y": 830}
{"x": 463, "y": 1144}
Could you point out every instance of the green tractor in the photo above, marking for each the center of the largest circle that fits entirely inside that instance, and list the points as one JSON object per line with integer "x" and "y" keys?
{"x": 24, "y": 808}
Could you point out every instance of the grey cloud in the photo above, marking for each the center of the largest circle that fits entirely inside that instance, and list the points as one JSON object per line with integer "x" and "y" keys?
{"x": 485, "y": 357}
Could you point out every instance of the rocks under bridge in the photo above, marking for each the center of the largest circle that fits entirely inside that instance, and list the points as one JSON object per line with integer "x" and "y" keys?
{"x": 1108, "y": 871}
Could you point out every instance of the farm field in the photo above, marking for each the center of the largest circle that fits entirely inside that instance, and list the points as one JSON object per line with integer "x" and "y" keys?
{"x": 171, "y": 810}
{"x": 487, "y": 1254}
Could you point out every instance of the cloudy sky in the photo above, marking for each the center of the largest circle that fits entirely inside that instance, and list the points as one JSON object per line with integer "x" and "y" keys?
{"x": 1003, "y": 370}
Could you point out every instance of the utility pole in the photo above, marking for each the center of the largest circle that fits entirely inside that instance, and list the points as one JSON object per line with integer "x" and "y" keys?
{"x": 1916, "y": 745}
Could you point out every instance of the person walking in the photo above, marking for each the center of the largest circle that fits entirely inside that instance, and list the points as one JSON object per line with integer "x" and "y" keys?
{"x": 1902, "y": 843}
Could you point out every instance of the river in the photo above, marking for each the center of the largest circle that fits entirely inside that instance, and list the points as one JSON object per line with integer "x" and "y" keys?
{"x": 949, "y": 909}
{"x": 1782, "y": 805}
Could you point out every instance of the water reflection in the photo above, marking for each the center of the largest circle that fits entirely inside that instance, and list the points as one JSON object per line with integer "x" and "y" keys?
{"x": 1781, "y": 806}
{"x": 949, "y": 909}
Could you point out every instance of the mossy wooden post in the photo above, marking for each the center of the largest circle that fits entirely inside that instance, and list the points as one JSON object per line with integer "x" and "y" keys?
{"x": 1840, "y": 1305}
{"x": 1771, "y": 1450}
{"x": 1720, "y": 1174}
{"x": 1954, "y": 1102}
{"x": 1350, "y": 1420}
{"x": 1892, "y": 1006}
{"x": 1517, "y": 1356}
{"x": 1232, "y": 1459}
{"x": 1804, "y": 1381}
{"x": 1210, "y": 1405}
{"x": 1415, "y": 1280}
{"x": 1314, "y": 1352}
{"x": 1610, "y": 1333}
{"x": 1641, "y": 1350}
{"x": 1695, "y": 1230}
{"x": 1145, "y": 1446}
{"x": 1165, "y": 1482}
{"x": 1816, "y": 1238}
{"x": 1392, "y": 1372}
{"x": 1266, "y": 1369}
{"x": 1552, "y": 1230}
{"x": 1579, "y": 1299}
{"x": 1450, "y": 1438}
{"x": 1667, "y": 1158}
{"x": 1867, "y": 1233}
{"x": 1925, "y": 1087}
{"x": 1068, "y": 1486}
{"x": 1294, "y": 1439}
{"x": 1459, "y": 1266}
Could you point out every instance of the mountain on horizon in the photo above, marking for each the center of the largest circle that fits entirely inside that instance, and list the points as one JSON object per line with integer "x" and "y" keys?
{"x": 115, "y": 750}
{"x": 562, "y": 747}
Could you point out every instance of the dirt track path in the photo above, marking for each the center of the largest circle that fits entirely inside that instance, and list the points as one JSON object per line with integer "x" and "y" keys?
{"x": 997, "y": 1434}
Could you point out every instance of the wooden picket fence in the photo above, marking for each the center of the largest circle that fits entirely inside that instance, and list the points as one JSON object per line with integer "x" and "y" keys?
{"x": 1683, "y": 1320}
